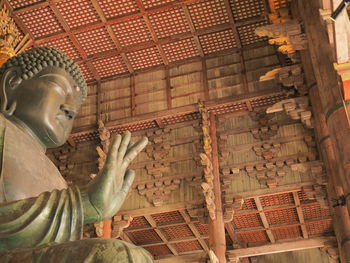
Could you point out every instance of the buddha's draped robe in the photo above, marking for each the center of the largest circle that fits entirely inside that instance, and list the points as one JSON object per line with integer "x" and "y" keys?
{"x": 41, "y": 218}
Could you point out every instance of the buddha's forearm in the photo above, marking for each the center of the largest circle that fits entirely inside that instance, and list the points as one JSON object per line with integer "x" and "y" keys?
{"x": 55, "y": 216}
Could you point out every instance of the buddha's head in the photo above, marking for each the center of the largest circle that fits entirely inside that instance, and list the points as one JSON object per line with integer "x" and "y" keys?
{"x": 42, "y": 90}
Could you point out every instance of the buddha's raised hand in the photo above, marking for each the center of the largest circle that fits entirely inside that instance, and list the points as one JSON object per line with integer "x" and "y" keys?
{"x": 103, "y": 197}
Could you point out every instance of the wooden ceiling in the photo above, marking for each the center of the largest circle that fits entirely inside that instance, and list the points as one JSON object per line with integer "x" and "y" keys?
{"x": 261, "y": 220}
{"x": 109, "y": 38}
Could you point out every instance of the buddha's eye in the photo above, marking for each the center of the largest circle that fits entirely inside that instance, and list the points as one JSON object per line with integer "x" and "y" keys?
{"x": 68, "y": 113}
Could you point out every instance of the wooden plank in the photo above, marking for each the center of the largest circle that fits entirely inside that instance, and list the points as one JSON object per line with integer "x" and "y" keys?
{"x": 264, "y": 220}
{"x": 294, "y": 245}
{"x": 300, "y": 215}
{"x": 153, "y": 223}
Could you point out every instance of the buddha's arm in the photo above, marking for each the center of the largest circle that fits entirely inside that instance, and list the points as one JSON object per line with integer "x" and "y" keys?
{"x": 51, "y": 217}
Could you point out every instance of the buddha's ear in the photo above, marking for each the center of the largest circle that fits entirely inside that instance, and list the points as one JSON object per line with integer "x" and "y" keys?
{"x": 10, "y": 80}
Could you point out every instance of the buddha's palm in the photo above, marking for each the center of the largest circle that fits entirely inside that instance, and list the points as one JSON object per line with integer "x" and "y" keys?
{"x": 106, "y": 193}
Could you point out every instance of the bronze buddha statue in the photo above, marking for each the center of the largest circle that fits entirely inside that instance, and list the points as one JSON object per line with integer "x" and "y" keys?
{"x": 41, "y": 218}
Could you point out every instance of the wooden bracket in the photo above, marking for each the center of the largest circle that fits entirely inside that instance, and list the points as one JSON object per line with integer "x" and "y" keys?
{"x": 159, "y": 192}
{"x": 119, "y": 223}
{"x": 297, "y": 108}
{"x": 287, "y": 35}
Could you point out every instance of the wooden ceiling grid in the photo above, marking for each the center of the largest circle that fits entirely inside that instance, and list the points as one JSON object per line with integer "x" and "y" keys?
{"x": 133, "y": 35}
{"x": 261, "y": 220}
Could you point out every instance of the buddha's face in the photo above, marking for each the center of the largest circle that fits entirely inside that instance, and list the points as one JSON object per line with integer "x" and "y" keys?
{"x": 47, "y": 105}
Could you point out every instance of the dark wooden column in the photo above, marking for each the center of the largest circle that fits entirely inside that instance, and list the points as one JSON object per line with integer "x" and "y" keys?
{"x": 328, "y": 85}
{"x": 330, "y": 114}
{"x": 335, "y": 174}
{"x": 217, "y": 240}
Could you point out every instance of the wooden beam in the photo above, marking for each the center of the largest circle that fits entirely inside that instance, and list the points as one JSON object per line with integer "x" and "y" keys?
{"x": 153, "y": 223}
{"x": 98, "y": 103}
{"x": 151, "y": 30}
{"x": 133, "y": 95}
{"x": 73, "y": 38}
{"x": 168, "y": 87}
{"x": 264, "y": 219}
{"x": 294, "y": 245}
{"x": 232, "y": 234}
{"x": 205, "y": 80}
{"x": 182, "y": 110}
{"x": 194, "y": 230}
{"x": 200, "y": 257}
{"x": 193, "y": 30}
{"x": 111, "y": 34}
{"x": 300, "y": 215}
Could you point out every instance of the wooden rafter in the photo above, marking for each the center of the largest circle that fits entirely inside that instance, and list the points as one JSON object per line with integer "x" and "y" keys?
{"x": 193, "y": 30}
{"x": 73, "y": 38}
{"x": 300, "y": 215}
{"x": 194, "y": 230}
{"x": 151, "y": 221}
{"x": 152, "y": 32}
{"x": 264, "y": 220}
{"x": 111, "y": 34}
{"x": 232, "y": 234}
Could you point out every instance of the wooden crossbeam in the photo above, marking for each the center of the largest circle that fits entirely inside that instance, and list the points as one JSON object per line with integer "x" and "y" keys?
{"x": 98, "y": 103}
{"x": 182, "y": 110}
{"x": 153, "y": 223}
{"x": 232, "y": 234}
{"x": 194, "y": 230}
{"x": 300, "y": 215}
{"x": 205, "y": 80}
{"x": 317, "y": 242}
{"x": 74, "y": 39}
{"x": 133, "y": 95}
{"x": 151, "y": 30}
{"x": 170, "y": 242}
{"x": 111, "y": 34}
{"x": 264, "y": 220}
{"x": 193, "y": 30}
{"x": 199, "y": 257}
{"x": 168, "y": 88}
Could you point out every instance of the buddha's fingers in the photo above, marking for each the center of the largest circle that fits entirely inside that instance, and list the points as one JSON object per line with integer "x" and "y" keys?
{"x": 128, "y": 180}
{"x": 134, "y": 151}
{"x": 123, "y": 146}
{"x": 113, "y": 152}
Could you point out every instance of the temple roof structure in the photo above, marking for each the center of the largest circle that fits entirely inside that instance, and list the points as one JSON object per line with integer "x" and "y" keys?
{"x": 148, "y": 63}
